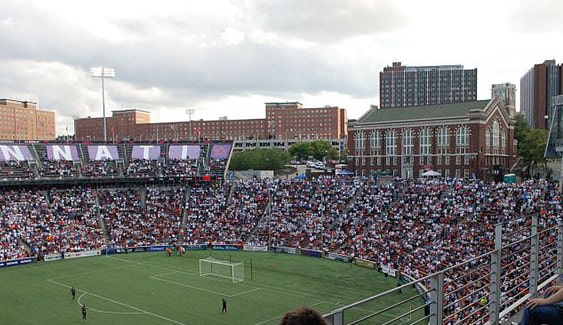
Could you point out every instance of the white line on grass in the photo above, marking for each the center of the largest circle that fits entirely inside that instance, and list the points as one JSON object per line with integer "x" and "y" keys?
{"x": 167, "y": 273}
{"x": 108, "y": 312}
{"x": 245, "y": 292}
{"x": 173, "y": 271}
{"x": 89, "y": 272}
{"x": 154, "y": 277}
{"x": 269, "y": 288}
{"x": 151, "y": 265}
{"x": 122, "y": 304}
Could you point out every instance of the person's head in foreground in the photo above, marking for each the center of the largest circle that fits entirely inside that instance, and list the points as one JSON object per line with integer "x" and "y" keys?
{"x": 303, "y": 316}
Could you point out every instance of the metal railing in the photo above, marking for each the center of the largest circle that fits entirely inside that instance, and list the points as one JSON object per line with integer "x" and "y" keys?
{"x": 487, "y": 289}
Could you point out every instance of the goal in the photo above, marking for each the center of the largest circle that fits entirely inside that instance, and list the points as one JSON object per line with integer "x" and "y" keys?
{"x": 220, "y": 268}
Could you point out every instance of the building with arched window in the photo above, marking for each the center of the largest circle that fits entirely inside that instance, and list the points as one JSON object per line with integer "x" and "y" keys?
{"x": 470, "y": 139}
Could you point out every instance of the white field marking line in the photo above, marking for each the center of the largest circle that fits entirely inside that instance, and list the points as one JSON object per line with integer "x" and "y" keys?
{"x": 123, "y": 304}
{"x": 189, "y": 286}
{"x": 109, "y": 312}
{"x": 269, "y": 288}
{"x": 278, "y": 317}
{"x": 185, "y": 272}
{"x": 163, "y": 274}
{"x": 88, "y": 272}
{"x": 155, "y": 277}
{"x": 152, "y": 265}
{"x": 195, "y": 288}
{"x": 245, "y": 292}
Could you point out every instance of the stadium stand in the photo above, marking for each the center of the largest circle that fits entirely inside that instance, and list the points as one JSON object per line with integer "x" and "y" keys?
{"x": 416, "y": 226}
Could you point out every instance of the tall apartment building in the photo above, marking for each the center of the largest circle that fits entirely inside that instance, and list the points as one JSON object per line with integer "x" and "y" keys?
{"x": 537, "y": 88}
{"x": 402, "y": 86}
{"x": 21, "y": 120}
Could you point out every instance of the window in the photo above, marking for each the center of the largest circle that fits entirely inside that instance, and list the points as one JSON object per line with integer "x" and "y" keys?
{"x": 360, "y": 140}
{"x": 487, "y": 140}
{"x": 390, "y": 143}
{"x": 407, "y": 142}
{"x": 496, "y": 135}
{"x": 425, "y": 144}
{"x": 443, "y": 139}
{"x": 462, "y": 136}
{"x": 374, "y": 140}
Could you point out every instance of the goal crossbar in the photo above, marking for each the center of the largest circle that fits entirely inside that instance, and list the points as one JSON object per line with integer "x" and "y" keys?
{"x": 220, "y": 268}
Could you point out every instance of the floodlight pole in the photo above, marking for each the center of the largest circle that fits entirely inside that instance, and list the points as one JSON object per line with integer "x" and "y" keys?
{"x": 190, "y": 111}
{"x": 103, "y": 72}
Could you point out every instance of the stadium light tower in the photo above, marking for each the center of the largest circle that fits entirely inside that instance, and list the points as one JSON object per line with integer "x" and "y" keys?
{"x": 103, "y": 72}
{"x": 190, "y": 111}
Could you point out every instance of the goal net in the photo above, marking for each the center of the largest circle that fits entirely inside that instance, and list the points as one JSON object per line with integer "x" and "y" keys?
{"x": 220, "y": 268}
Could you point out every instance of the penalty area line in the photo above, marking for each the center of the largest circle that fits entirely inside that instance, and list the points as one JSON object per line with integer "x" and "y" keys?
{"x": 245, "y": 292}
{"x": 155, "y": 277}
{"x": 106, "y": 311}
{"x": 121, "y": 304}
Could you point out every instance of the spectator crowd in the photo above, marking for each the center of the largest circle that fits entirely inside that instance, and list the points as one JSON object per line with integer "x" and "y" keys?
{"x": 416, "y": 226}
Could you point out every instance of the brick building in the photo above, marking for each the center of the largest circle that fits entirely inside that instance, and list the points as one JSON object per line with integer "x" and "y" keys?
{"x": 285, "y": 123}
{"x": 471, "y": 139}
{"x": 538, "y": 88}
{"x": 123, "y": 124}
{"x": 21, "y": 120}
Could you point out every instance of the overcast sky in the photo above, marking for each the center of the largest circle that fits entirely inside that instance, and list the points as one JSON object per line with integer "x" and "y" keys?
{"x": 227, "y": 58}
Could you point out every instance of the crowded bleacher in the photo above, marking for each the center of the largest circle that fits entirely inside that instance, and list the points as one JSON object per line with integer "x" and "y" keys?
{"x": 416, "y": 226}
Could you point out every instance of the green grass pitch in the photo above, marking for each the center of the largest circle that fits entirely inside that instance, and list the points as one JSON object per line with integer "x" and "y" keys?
{"x": 152, "y": 288}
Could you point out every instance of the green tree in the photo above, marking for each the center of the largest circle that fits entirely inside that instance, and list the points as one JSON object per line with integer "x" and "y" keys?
{"x": 532, "y": 146}
{"x": 521, "y": 127}
{"x": 300, "y": 150}
{"x": 320, "y": 149}
{"x": 531, "y": 143}
{"x": 259, "y": 159}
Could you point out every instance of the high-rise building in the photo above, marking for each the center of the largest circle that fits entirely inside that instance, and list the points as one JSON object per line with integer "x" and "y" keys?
{"x": 537, "y": 90}
{"x": 402, "y": 86}
{"x": 21, "y": 120}
{"x": 506, "y": 93}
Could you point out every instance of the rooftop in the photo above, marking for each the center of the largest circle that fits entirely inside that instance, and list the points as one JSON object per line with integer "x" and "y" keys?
{"x": 413, "y": 113}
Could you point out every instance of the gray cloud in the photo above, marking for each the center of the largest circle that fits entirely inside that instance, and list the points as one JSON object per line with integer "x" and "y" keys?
{"x": 280, "y": 49}
{"x": 537, "y": 16}
{"x": 182, "y": 69}
{"x": 327, "y": 21}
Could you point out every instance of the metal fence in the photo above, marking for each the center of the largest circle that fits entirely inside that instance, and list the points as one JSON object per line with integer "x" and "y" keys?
{"x": 487, "y": 289}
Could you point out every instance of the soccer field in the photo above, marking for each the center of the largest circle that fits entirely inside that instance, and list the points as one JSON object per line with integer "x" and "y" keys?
{"x": 153, "y": 288}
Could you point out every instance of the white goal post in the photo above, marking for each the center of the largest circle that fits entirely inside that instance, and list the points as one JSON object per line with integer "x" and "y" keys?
{"x": 220, "y": 268}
